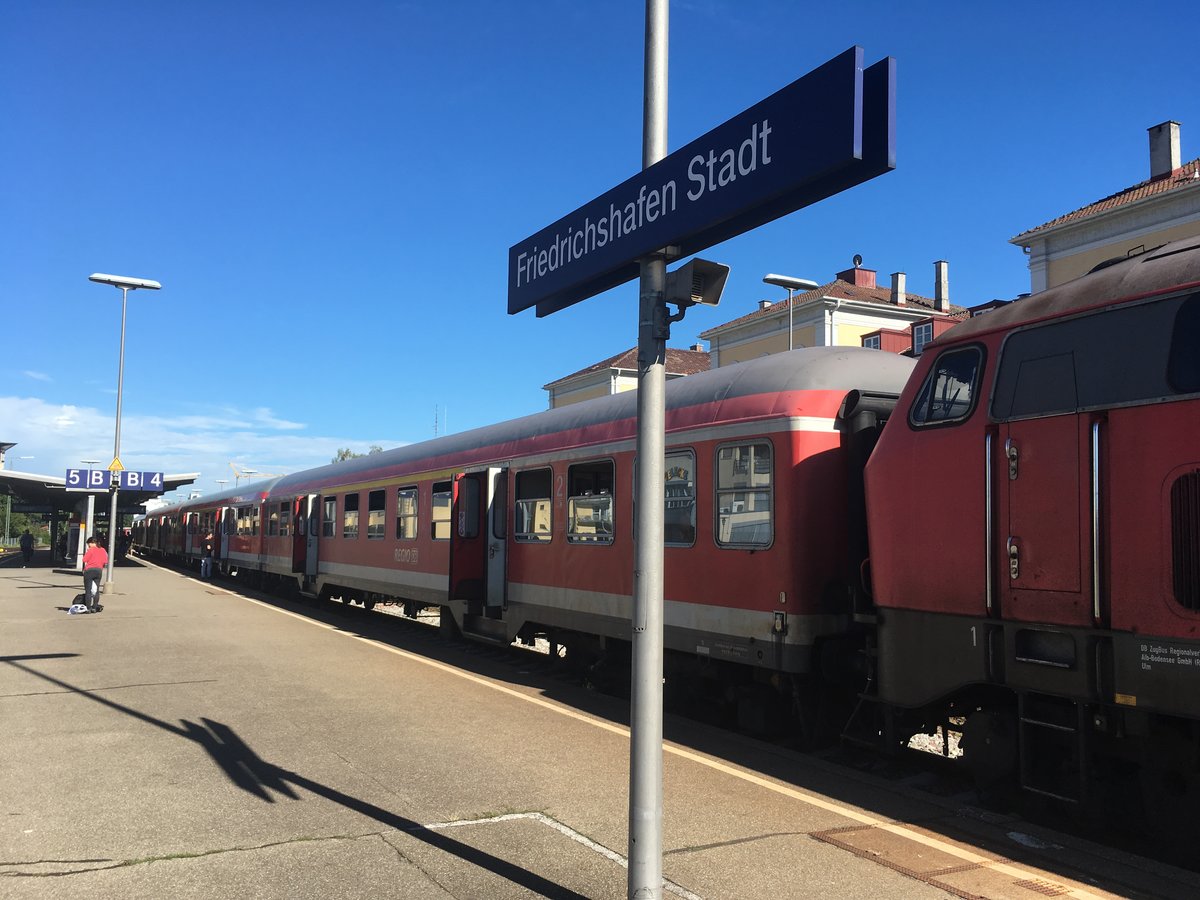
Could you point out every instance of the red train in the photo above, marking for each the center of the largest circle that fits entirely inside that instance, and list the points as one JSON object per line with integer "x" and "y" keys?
{"x": 1003, "y": 540}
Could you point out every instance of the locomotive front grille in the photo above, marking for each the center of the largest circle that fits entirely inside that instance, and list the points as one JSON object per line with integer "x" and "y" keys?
{"x": 1185, "y": 539}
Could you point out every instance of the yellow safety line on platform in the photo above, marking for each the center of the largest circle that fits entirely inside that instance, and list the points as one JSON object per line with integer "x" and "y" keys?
{"x": 897, "y": 828}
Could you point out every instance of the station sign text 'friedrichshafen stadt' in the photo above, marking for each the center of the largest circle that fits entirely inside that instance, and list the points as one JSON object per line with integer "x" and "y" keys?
{"x": 825, "y": 132}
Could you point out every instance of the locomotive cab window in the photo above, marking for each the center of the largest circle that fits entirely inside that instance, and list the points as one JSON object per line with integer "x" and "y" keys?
{"x": 590, "y": 503}
{"x": 406, "y": 514}
{"x": 951, "y": 388}
{"x": 350, "y": 516}
{"x": 439, "y": 517}
{"x": 745, "y": 517}
{"x": 531, "y": 507}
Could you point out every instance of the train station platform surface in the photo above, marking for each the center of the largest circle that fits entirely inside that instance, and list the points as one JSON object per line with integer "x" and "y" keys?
{"x": 190, "y": 742}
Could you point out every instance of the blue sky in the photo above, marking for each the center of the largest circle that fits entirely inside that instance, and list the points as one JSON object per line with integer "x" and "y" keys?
{"x": 328, "y": 192}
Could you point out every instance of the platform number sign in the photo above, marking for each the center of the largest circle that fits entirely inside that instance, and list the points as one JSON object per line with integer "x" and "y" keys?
{"x": 95, "y": 480}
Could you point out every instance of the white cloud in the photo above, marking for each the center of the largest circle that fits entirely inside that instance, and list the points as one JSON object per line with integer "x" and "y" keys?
{"x": 59, "y": 436}
{"x": 36, "y": 376}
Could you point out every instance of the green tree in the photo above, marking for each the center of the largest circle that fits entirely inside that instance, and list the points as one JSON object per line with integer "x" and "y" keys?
{"x": 345, "y": 453}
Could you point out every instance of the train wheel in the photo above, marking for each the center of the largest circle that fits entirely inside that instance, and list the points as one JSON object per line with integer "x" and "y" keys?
{"x": 369, "y": 603}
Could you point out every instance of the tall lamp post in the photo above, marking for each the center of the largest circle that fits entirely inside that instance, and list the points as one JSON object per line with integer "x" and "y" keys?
{"x": 126, "y": 285}
{"x": 792, "y": 284}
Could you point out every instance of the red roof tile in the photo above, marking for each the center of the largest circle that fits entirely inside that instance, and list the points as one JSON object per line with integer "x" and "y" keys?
{"x": 836, "y": 290}
{"x": 1187, "y": 175}
{"x": 679, "y": 362}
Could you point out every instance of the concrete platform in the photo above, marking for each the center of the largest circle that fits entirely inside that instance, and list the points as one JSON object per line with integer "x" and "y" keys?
{"x": 188, "y": 742}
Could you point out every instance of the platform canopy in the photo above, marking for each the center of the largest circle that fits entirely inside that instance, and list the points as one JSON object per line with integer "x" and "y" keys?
{"x": 48, "y": 493}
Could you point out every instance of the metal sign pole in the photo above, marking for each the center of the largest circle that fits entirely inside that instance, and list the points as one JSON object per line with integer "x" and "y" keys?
{"x": 646, "y": 713}
{"x": 112, "y": 515}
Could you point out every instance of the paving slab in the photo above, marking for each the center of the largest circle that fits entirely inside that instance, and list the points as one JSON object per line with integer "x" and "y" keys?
{"x": 190, "y": 742}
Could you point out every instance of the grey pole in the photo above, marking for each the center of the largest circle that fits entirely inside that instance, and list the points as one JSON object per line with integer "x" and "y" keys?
{"x": 112, "y": 515}
{"x": 645, "y": 750}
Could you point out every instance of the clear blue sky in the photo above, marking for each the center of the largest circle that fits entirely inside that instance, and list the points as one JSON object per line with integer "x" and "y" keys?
{"x": 328, "y": 192}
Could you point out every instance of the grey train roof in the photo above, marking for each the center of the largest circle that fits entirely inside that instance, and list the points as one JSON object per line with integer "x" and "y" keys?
{"x": 815, "y": 368}
{"x": 1171, "y": 264}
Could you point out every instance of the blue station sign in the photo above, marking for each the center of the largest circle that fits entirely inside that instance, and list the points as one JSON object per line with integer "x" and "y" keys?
{"x": 825, "y": 132}
{"x": 96, "y": 480}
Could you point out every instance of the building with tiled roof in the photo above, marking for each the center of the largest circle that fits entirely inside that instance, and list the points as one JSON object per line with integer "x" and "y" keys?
{"x": 1166, "y": 207}
{"x": 842, "y": 313}
{"x": 620, "y": 373}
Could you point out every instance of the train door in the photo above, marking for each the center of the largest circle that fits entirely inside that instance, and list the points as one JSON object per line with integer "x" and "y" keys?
{"x": 478, "y": 541}
{"x": 313, "y": 537}
{"x": 301, "y": 511}
{"x": 189, "y": 532}
{"x": 1044, "y": 561}
{"x": 226, "y": 531}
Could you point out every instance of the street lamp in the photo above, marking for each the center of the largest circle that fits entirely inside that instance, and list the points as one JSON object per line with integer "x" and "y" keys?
{"x": 126, "y": 285}
{"x": 792, "y": 284}
{"x": 222, "y": 482}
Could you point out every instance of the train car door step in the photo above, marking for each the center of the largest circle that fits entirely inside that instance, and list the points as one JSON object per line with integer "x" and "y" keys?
{"x": 1052, "y": 737}
{"x": 307, "y": 595}
{"x": 486, "y": 628}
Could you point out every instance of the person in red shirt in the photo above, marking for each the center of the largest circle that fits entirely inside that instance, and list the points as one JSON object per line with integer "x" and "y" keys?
{"x": 95, "y": 558}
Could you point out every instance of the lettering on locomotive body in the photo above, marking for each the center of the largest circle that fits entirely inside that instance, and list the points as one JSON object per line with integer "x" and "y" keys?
{"x": 406, "y": 556}
{"x": 1168, "y": 655}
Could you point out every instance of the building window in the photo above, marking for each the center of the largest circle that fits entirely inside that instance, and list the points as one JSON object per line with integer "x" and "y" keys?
{"x": 590, "y": 503}
{"x": 872, "y": 342}
{"x": 532, "y": 506}
{"x": 329, "y": 517}
{"x": 679, "y": 515}
{"x": 439, "y": 515}
{"x": 743, "y": 496}
{"x": 376, "y": 501}
{"x": 406, "y": 514}
{"x": 350, "y": 516}
{"x": 950, "y": 389}
{"x": 922, "y": 335}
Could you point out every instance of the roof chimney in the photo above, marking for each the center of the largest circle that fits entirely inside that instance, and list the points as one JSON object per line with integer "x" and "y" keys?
{"x": 858, "y": 276}
{"x": 899, "y": 296}
{"x": 764, "y": 304}
{"x": 1164, "y": 149}
{"x": 699, "y": 348}
{"x": 941, "y": 286}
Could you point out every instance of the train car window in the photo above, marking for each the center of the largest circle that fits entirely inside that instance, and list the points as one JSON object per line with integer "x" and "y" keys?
{"x": 406, "y": 514}
{"x": 439, "y": 516}
{"x": 285, "y": 519}
{"x": 950, "y": 389}
{"x": 350, "y": 516}
{"x": 1183, "y": 365}
{"x": 468, "y": 507}
{"x": 376, "y": 515}
{"x": 273, "y": 522}
{"x": 1093, "y": 361}
{"x": 743, "y": 495}
{"x": 256, "y": 520}
{"x": 590, "y": 503}
{"x": 679, "y": 515}
{"x": 531, "y": 508}
{"x": 329, "y": 518}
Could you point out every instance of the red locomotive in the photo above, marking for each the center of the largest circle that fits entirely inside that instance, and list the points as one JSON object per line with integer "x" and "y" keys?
{"x": 1032, "y": 506}
{"x": 1045, "y": 463}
